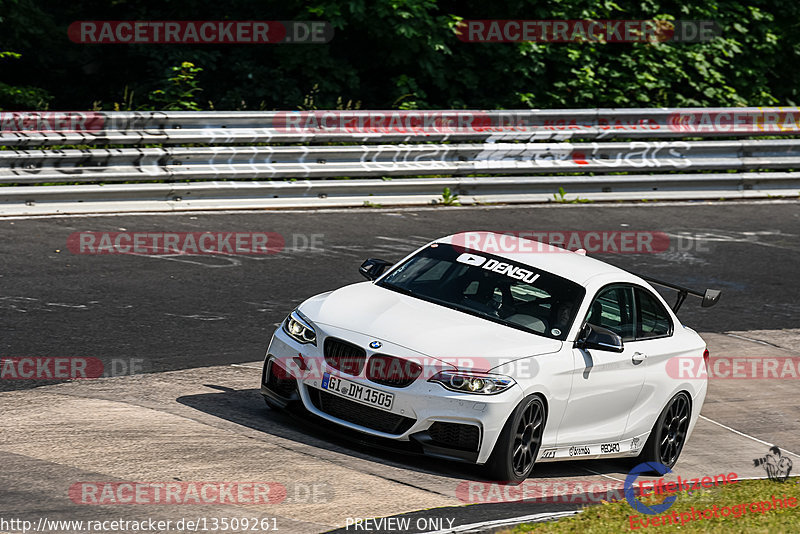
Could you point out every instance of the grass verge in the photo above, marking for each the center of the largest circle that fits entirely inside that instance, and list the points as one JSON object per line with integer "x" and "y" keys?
{"x": 617, "y": 516}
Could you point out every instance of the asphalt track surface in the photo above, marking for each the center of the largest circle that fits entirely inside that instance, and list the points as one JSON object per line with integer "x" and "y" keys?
{"x": 185, "y": 319}
{"x": 177, "y": 312}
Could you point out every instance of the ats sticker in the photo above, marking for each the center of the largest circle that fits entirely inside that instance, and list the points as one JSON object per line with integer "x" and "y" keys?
{"x": 549, "y": 453}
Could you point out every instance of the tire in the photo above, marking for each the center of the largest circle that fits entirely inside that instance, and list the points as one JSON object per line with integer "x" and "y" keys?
{"x": 273, "y": 405}
{"x": 518, "y": 446}
{"x": 669, "y": 432}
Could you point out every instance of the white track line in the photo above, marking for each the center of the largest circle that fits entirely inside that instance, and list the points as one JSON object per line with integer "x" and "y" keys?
{"x": 747, "y": 435}
{"x": 749, "y": 339}
{"x": 601, "y": 474}
{"x": 477, "y": 527}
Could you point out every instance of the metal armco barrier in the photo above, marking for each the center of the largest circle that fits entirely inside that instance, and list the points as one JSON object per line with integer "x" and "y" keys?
{"x": 281, "y": 159}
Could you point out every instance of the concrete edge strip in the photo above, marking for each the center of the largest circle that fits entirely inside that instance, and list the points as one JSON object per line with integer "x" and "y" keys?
{"x": 703, "y": 417}
{"x": 398, "y": 209}
{"x": 417, "y": 201}
{"x": 759, "y": 341}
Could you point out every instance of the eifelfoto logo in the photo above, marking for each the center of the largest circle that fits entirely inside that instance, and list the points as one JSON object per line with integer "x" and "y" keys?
{"x": 660, "y": 487}
{"x": 630, "y": 492}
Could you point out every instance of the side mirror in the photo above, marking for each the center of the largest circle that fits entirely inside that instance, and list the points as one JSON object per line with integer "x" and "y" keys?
{"x": 596, "y": 337}
{"x": 373, "y": 268}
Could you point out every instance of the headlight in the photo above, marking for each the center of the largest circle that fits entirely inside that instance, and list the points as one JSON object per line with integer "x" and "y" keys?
{"x": 299, "y": 328}
{"x": 482, "y": 384}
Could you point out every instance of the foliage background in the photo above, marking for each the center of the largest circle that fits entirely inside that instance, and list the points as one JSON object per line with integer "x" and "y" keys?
{"x": 397, "y": 53}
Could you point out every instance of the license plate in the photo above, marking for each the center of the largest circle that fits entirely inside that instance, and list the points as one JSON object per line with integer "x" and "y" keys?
{"x": 357, "y": 392}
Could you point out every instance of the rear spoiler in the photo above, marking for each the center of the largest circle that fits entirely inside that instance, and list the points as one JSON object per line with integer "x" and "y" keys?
{"x": 709, "y": 296}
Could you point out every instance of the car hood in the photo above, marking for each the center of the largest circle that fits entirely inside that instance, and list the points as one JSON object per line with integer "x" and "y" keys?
{"x": 423, "y": 327}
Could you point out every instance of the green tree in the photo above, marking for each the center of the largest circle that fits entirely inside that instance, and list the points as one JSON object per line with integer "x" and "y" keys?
{"x": 404, "y": 54}
{"x": 181, "y": 90}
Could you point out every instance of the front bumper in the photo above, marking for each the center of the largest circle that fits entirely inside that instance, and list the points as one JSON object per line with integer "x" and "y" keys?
{"x": 443, "y": 423}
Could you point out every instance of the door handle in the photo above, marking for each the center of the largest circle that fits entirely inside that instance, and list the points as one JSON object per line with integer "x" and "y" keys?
{"x": 638, "y": 357}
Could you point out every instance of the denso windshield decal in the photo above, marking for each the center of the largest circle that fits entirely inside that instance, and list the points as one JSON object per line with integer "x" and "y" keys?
{"x": 512, "y": 271}
{"x": 518, "y": 273}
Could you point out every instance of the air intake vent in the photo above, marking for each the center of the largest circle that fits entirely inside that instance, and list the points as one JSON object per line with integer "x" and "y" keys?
{"x": 280, "y": 381}
{"x": 359, "y": 414}
{"x": 455, "y": 436}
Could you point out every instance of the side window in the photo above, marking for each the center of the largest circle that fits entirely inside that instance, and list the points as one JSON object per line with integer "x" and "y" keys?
{"x": 613, "y": 309}
{"x": 653, "y": 320}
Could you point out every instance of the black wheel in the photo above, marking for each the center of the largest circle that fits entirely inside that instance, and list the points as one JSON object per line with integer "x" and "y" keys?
{"x": 669, "y": 433}
{"x": 518, "y": 445}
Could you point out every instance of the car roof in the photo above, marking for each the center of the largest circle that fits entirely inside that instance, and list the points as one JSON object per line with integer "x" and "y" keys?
{"x": 576, "y": 267}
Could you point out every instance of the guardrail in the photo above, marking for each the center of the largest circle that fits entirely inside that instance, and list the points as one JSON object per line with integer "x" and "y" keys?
{"x": 596, "y": 154}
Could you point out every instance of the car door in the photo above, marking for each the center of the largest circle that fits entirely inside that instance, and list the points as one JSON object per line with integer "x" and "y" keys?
{"x": 605, "y": 384}
{"x": 656, "y": 342}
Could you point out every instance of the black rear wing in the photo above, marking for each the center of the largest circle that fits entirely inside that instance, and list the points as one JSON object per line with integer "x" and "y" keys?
{"x": 709, "y": 296}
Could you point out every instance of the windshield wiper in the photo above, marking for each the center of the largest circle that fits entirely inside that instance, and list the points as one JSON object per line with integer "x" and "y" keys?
{"x": 398, "y": 289}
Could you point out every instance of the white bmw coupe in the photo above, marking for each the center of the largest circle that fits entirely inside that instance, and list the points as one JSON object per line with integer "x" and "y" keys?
{"x": 497, "y": 357}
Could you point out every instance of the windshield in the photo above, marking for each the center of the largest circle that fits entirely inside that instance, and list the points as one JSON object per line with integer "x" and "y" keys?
{"x": 494, "y": 288}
